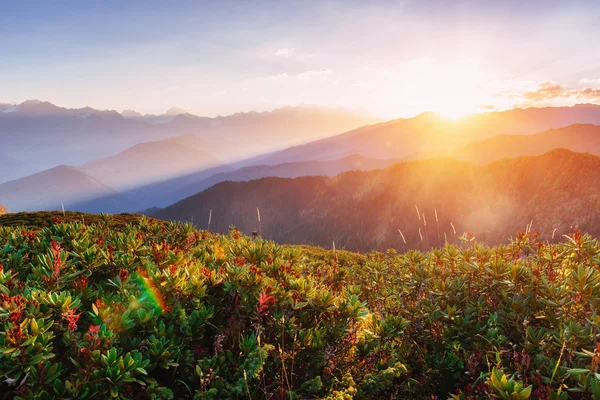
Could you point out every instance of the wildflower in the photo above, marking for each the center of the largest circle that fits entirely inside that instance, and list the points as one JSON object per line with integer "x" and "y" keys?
{"x": 172, "y": 269}
{"x": 15, "y": 316}
{"x": 72, "y": 318}
{"x": 15, "y": 335}
{"x": 55, "y": 248}
{"x": 57, "y": 266}
{"x": 123, "y": 274}
{"x": 264, "y": 301}
{"x": 81, "y": 283}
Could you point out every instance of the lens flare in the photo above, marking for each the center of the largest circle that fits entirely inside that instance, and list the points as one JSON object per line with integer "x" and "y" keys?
{"x": 151, "y": 292}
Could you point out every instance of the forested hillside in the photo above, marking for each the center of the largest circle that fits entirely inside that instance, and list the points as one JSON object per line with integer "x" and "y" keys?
{"x": 429, "y": 202}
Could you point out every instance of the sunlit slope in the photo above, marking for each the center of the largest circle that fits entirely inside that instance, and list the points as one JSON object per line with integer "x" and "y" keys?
{"x": 434, "y": 132}
{"x": 577, "y": 137}
{"x": 365, "y": 210}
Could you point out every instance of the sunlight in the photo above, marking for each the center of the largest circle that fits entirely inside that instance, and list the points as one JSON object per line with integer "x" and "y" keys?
{"x": 456, "y": 111}
{"x": 452, "y": 88}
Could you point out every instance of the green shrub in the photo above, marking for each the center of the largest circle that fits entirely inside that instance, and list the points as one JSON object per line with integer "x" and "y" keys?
{"x": 137, "y": 308}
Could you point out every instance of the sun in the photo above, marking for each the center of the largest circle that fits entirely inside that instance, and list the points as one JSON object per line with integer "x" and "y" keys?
{"x": 452, "y": 88}
{"x": 456, "y": 111}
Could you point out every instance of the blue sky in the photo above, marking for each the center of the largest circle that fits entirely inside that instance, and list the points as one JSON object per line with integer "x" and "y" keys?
{"x": 393, "y": 58}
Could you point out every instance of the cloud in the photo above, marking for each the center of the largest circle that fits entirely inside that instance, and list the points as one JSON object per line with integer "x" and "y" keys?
{"x": 546, "y": 90}
{"x": 549, "y": 90}
{"x": 589, "y": 93}
{"x": 306, "y": 75}
{"x": 283, "y": 52}
{"x": 588, "y": 81}
{"x": 292, "y": 54}
{"x": 322, "y": 73}
{"x": 277, "y": 77}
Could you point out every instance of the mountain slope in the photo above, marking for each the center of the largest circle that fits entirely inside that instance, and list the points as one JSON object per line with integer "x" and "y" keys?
{"x": 49, "y": 189}
{"x": 11, "y": 168}
{"x": 154, "y": 161}
{"x": 177, "y": 189}
{"x": 364, "y": 210}
{"x": 577, "y": 137}
{"x": 430, "y": 132}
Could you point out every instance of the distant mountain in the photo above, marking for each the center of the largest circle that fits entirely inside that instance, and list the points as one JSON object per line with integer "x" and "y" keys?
{"x": 154, "y": 118}
{"x": 131, "y": 114}
{"x": 173, "y": 111}
{"x": 364, "y": 210}
{"x": 155, "y": 161}
{"x": 170, "y": 191}
{"x": 430, "y": 132}
{"x": 11, "y": 168}
{"x": 576, "y": 137}
{"x": 37, "y": 108}
{"x": 67, "y": 185}
{"x": 53, "y": 135}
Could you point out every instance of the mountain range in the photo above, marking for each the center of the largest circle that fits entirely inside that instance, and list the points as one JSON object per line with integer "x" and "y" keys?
{"x": 163, "y": 169}
{"x": 430, "y": 132}
{"x": 53, "y": 135}
{"x": 429, "y": 201}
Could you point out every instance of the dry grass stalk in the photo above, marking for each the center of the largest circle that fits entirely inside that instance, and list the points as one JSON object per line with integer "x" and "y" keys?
{"x": 403, "y": 239}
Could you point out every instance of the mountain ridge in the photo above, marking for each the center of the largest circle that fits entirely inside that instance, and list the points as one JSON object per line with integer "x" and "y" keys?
{"x": 51, "y": 189}
{"x": 433, "y": 132}
{"x": 363, "y": 210}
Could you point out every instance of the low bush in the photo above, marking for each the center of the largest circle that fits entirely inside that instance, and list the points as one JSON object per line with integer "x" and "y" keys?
{"x": 154, "y": 310}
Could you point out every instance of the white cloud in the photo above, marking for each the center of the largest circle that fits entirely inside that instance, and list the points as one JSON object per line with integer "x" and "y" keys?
{"x": 283, "y": 52}
{"x": 277, "y": 77}
{"x": 588, "y": 81}
{"x": 322, "y": 73}
{"x": 292, "y": 54}
{"x": 306, "y": 75}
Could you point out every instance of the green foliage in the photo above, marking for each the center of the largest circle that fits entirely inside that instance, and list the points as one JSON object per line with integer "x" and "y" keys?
{"x": 507, "y": 388}
{"x": 156, "y": 310}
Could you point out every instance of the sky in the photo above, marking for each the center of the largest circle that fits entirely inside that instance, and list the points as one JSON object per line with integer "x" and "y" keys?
{"x": 390, "y": 58}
